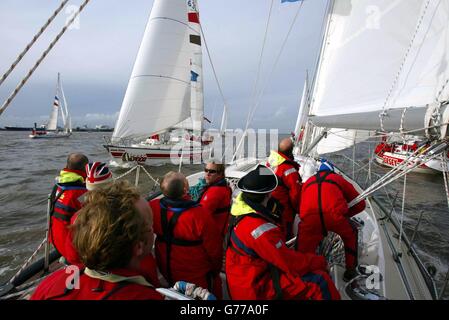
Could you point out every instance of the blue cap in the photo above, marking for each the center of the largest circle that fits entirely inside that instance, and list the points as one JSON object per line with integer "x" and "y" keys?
{"x": 326, "y": 166}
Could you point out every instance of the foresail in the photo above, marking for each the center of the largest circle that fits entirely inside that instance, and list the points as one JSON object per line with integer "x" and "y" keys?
{"x": 340, "y": 139}
{"x": 158, "y": 94}
{"x": 382, "y": 55}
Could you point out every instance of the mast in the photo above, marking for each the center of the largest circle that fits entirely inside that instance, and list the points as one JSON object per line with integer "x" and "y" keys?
{"x": 307, "y": 136}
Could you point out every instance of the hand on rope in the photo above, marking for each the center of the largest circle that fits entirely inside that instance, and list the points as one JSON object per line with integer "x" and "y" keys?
{"x": 192, "y": 291}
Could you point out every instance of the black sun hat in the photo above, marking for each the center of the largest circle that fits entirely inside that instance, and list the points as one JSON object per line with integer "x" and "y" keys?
{"x": 260, "y": 180}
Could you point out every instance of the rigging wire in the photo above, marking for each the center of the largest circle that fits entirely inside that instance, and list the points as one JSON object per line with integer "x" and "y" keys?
{"x": 257, "y": 103}
{"x": 33, "y": 41}
{"x": 42, "y": 57}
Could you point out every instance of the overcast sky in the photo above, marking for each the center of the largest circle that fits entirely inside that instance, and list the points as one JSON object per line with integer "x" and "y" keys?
{"x": 96, "y": 58}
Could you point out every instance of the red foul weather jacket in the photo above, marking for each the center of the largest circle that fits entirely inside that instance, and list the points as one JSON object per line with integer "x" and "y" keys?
{"x": 288, "y": 191}
{"x": 336, "y": 193}
{"x": 67, "y": 195}
{"x": 256, "y": 252}
{"x": 328, "y": 211}
{"x": 216, "y": 199}
{"x": 188, "y": 247}
{"x": 54, "y": 287}
{"x": 148, "y": 266}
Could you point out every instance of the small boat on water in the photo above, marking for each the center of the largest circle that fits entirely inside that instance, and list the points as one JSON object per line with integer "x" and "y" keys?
{"x": 392, "y": 154}
{"x": 51, "y": 130}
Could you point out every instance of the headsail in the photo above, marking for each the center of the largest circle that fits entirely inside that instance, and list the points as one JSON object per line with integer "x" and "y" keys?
{"x": 381, "y": 58}
{"x": 158, "y": 94}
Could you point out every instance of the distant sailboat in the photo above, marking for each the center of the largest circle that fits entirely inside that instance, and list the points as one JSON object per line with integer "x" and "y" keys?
{"x": 51, "y": 131}
{"x": 161, "y": 118}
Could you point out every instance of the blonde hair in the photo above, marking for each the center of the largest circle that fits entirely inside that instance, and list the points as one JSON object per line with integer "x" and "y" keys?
{"x": 108, "y": 226}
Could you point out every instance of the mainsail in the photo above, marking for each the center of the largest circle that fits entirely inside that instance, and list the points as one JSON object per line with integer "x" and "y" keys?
{"x": 383, "y": 66}
{"x": 53, "y": 122}
{"x": 159, "y": 91}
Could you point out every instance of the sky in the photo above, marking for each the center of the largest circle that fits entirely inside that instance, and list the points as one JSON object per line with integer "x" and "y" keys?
{"x": 96, "y": 58}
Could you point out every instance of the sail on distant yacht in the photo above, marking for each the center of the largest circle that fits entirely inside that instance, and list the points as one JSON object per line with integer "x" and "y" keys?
{"x": 51, "y": 130}
{"x": 161, "y": 118}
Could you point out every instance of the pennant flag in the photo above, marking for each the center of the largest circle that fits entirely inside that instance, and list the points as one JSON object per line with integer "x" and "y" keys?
{"x": 207, "y": 119}
{"x": 193, "y": 76}
{"x": 282, "y": 1}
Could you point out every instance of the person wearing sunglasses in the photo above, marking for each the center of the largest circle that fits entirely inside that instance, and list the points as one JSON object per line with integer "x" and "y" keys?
{"x": 216, "y": 195}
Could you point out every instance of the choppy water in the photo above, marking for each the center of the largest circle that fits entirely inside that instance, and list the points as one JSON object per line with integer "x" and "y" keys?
{"x": 28, "y": 169}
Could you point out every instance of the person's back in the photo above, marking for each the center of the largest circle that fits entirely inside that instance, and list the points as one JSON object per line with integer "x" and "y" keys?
{"x": 259, "y": 266}
{"x": 112, "y": 235}
{"x": 66, "y": 199}
{"x": 288, "y": 191}
{"x": 336, "y": 193}
{"x": 324, "y": 207}
{"x": 188, "y": 244}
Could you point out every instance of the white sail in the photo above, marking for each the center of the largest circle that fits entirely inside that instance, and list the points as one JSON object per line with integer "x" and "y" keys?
{"x": 224, "y": 120}
{"x": 302, "y": 111}
{"x": 158, "y": 93}
{"x": 53, "y": 122}
{"x": 340, "y": 139}
{"x": 382, "y": 55}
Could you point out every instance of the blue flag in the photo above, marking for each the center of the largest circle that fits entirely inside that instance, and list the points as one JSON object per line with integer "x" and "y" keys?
{"x": 194, "y": 76}
{"x": 282, "y": 1}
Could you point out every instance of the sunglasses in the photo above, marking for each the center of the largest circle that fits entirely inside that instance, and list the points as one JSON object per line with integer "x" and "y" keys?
{"x": 210, "y": 171}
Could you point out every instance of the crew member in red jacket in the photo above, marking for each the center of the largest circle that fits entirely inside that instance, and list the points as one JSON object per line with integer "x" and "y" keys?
{"x": 66, "y": 199}
{"x": 324, "y": 207}
{"x": 288, "y": 191}
{"x": 259, "y": 266}
{"x": 216, "y": 195}
{"x": 112, "y": 233}
{"x": 188, "y": 243}
{"x": 98, "y": 176}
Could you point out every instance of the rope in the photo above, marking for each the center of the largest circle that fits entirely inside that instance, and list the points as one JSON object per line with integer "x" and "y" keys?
{"x": 437, "y": 99}
{"x": 28, "y": 262}
{"x": 211, "y": 63}
{"x": 149, "y": 175}
{"x": 39, "y": 61}
{"x": 260, "y": 60}
{"x": 401, "y": 229}
{"x": 400, "y": 170}
{"x": 28, "y": 47}
{"x": 254, "y": 108}
{"x": 126, "y": 173}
